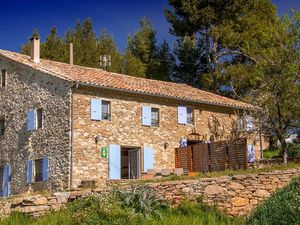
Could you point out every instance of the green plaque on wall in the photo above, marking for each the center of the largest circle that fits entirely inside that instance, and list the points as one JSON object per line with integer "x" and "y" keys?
{"x": 104, "y": 152}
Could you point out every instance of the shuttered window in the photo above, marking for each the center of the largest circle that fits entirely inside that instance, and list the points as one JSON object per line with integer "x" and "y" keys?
{"x": 100, "y": 109}
{"x": 38, "y": 170}
{"x": 146, "y": 115}
{"x": 34, "y": 119}
{"x": 249, "y": 122}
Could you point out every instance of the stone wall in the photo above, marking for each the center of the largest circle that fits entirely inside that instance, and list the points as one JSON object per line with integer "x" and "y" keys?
{"x": 236, "y": 195}
{"x": 28, "y": 89}
{"x": 126, "y": 129}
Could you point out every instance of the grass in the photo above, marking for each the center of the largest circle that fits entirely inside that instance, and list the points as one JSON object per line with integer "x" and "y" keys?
{"x": 215, "y": 174}
{"x": 187, "y": 213}
{"x": 269, "y": 154}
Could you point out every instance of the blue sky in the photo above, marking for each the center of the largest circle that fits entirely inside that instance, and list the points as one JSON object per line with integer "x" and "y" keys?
{"x": 19, "y": 18}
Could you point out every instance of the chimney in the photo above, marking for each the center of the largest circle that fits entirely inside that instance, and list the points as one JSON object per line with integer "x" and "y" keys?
{"x": 71, "y": 54}
{"x": 35, "y": 49}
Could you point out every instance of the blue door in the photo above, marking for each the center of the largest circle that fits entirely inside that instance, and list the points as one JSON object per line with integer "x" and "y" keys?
{"x": 251, "y": 156}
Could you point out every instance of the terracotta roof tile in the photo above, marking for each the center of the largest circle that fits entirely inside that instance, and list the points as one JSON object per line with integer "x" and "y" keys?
{"x": 106, "y": 79}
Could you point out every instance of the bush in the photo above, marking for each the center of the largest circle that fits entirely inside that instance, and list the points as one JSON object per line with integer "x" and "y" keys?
{"x": 282, "y": 208}
{"x": 293, "y": 150}
{"x": 140, "y": 199}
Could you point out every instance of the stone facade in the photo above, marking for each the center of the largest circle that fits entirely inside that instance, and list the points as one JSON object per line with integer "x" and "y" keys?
{"x": 28, "y": 89}
{"x": 126, "y": 129}
{"x": 236, "y": 196}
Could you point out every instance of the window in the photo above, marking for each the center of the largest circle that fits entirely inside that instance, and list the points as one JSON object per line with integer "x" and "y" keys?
{"x": 189, "y": 115}
{"x": 105, "y": 112}
{"x": 185, "y": 115}
{"x": 39, "y": 116}
{"x": 3, "y": 78}
{"x": 150, "y": 116}
{"x": 34, "y": 119}
{"x": 100, "y": 109}
{"x": 2, "y": 126}
{"x": 154, "y": 117}
{"x": 38, "y": 170}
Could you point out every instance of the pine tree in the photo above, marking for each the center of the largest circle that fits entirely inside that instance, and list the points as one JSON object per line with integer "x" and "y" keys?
{"x": 107, "y": 46}
{"x": 133, "y": 66}
{"x": 231, "y": 31}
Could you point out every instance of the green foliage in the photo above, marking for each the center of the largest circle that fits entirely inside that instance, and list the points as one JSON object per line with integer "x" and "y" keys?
{"x": 283, "y": 207}
{"x": 272, "y": 153}
{"x": 156, "y": 60}
{"x": 293, "y": 150}
{"x": 232, "y": 34}
{"x": 133, "y": 66}
{"x": 140, "y": 199}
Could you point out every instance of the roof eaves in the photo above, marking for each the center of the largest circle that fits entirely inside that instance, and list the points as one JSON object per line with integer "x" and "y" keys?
{"x": 161, "y": 95}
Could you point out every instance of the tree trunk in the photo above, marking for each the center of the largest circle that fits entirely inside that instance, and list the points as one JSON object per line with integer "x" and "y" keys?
{"x": 284, "y": 150}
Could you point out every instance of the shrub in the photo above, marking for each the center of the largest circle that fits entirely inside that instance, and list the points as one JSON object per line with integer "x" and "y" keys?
{"x": 283, "y": 207}
{"x": 140, "y": 199}
{"x": 293, "y": 150}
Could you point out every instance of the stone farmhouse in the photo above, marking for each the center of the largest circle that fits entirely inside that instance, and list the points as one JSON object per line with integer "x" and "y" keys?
{"x": 62, "y": 124}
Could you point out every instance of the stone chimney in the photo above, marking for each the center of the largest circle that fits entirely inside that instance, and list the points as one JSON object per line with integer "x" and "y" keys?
{"x": 35, "y": 49}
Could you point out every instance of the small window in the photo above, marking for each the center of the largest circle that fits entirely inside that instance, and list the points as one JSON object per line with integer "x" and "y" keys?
{"x": 105, "y": 110}
{"x": 3, "y": 78}
{"x": 38, "y": 170}
{"x": 154, "y": 117}
{"x": 39, "y": 118}
{"x": 189, "y": 115}
{"x": 2, "y": 126}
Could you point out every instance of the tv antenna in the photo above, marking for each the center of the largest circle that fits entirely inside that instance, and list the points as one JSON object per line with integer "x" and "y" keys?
{"x": 105, "y": 61}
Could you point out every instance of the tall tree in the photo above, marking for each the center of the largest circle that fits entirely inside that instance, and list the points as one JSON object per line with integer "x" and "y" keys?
{"x": 162, "y": 65}
{"x": 107, "y": 46}
{"x": 232, "y": 32}
{"x": 278, "y": 89}
{"x": 190, "y": 66}
{"x": 53, "y": 48}
{"x": 133, "y": 66}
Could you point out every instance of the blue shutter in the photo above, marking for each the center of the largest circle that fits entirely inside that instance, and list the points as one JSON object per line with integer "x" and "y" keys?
{"x": 249, "y": 121}
{"x": 182, "y": 115}
{"x": 6, "y": 180}
{"x": 146, "y": 116}
{"x": 31, "y": 120}
{"x": 96, "y": 108}
{"x": 45, "y": 168}
{"x": 30, "y": 171}
{"x": 251, "y": 155}
{"x": 114, "y": 162}
{"x": 148, "y": 158}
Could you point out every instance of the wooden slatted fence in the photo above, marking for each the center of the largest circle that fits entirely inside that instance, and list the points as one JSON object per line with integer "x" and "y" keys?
{"x": 215, "y": 156}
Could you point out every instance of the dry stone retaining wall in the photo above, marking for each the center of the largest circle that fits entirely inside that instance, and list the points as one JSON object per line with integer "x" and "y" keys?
{"x": 236, "y": 195}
